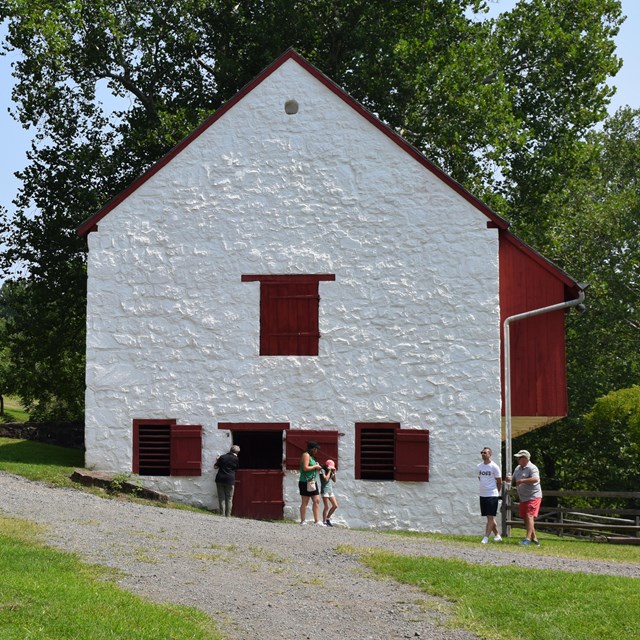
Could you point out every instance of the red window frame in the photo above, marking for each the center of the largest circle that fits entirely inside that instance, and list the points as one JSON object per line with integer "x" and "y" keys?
{"x": 289, "y": 313}
{"x": 386, "y": 452}
{"x": 164, "y": 448}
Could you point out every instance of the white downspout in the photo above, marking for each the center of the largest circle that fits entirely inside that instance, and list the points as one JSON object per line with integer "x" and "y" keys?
{"x": 507, "y": 387}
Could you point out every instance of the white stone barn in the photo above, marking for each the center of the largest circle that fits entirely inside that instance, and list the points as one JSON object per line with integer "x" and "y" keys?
{"x": 295, "y": 270}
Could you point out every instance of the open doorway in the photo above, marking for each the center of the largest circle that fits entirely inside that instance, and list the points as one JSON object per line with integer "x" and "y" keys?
{"x": 259, "y": 480}
{"x": 259, "y": 449}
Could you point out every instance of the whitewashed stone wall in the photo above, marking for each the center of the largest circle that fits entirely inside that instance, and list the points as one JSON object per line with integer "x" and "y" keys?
{"x": 410, "y": 327}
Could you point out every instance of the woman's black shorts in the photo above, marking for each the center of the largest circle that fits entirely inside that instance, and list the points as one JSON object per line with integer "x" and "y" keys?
{"x": 304, "y": 492}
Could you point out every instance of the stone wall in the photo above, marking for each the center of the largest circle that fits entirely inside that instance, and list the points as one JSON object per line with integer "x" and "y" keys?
{"x": 62, "y": 434}
{"x": 409, "y": 328}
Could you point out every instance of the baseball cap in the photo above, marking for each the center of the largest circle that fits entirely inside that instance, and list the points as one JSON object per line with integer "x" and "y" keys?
{"x": 330, "y": 464}
{"x": 523, "y": 452}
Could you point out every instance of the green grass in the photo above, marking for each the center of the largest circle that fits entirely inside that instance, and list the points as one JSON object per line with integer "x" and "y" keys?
{"x": 39, "y": 461}
{"x": 509, "y": 603}
{"x": 46, "y": 594}
{"x": 550, "y": 546}
{"x": 13, "y": 411}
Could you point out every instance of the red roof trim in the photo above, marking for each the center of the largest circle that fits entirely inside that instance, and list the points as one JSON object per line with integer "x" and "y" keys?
{"x": 90, "y": 224}
{"x": 561, "y": 275}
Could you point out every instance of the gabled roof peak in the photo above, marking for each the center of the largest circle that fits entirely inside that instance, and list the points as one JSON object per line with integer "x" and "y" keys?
{"x": 90, "y": 224}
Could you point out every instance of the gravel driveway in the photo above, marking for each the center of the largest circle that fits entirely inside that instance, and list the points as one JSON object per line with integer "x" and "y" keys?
{"x": 258, "y": 579}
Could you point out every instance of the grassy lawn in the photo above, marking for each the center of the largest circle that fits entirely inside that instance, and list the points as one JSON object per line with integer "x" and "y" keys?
{"x": 49, "y": 594}
{"x": 13, "y": 411}
{"x": 39, "y": 461}
{"x": 550, "y": 546}
{"x": 512, "y": 602}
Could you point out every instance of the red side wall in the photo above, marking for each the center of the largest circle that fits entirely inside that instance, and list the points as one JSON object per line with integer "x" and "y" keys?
{"x": 538, "y": 363}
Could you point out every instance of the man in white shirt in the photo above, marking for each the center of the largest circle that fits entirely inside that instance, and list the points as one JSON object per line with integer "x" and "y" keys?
{"x": 490, "y": 479}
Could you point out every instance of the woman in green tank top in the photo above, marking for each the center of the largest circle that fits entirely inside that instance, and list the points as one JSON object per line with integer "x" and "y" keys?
{"x": 308, "y": 483}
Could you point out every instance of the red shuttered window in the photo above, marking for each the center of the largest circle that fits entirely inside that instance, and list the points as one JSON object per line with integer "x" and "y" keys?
{"x": 412, "y": 455}
{"x": 384, "y": 451}
{"x": 289, "y": 312}
{"x": 186, "y": 450}
{"x": 164, "y": 448}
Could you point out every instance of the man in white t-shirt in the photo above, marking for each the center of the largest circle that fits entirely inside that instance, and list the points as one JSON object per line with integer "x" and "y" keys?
{"x": 490, "y": 479}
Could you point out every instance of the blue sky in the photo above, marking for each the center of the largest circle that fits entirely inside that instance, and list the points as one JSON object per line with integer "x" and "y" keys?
{"x": 16, "y": 140}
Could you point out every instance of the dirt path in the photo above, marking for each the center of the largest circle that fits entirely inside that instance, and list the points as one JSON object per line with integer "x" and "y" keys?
{"x": 257, "y": 579}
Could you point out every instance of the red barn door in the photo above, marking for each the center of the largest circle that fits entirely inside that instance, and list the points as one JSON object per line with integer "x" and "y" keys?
{"x": 258, "y": 494}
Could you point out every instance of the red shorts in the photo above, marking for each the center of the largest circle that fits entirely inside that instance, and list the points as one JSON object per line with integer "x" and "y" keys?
{"x": 530, "y": 507}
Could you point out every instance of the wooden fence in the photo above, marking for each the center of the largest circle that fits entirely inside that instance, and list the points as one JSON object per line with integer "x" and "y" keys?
{"x": 621, "y": 526}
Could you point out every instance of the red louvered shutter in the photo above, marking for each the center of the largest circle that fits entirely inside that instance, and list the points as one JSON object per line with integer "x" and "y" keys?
{"x": 186, "y": 450}
{"x": 152, "y": 447}
{"x": 412, "y": 455}
{"x": 375, "y": 450}
{"x": 296, "y": 445}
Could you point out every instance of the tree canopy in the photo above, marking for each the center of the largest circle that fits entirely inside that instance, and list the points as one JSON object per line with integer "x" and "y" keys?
{"x": 616, "y": 416}
{"x": 496, "y": 103}
{"x": 596, "y": 234}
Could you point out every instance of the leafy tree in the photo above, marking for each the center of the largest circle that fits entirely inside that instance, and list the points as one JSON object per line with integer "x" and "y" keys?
{"x": 613, "y": 427}
{"x": 556, "y": 57}
{"x": 54, "y": 391}
{"x": 596, "y": 237}
{"x": 500, "y": 104}
{"x": 495, "y": 101}
{"x": 5, "y": 364}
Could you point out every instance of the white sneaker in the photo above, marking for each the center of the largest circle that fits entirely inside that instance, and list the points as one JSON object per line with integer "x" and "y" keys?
{"x": 319, "y": 524}
{"x": 485, "y": 540}
{"x": 497, "y": 538}
{"x": 303, "y": 523}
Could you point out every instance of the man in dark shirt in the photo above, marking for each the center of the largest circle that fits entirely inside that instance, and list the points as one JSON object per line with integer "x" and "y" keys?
{"x": 226, "y": 465}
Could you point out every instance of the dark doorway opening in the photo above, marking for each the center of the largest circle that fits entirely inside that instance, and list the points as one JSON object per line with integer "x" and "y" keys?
{"x": 259, "y": 449}
{"x": 259, "y": 480}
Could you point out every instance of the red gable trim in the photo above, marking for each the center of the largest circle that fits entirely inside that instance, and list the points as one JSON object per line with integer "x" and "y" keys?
{"x": 572, "y": 286}
{"x": 91, "y": 223}
{"x": 500, "y": 222}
